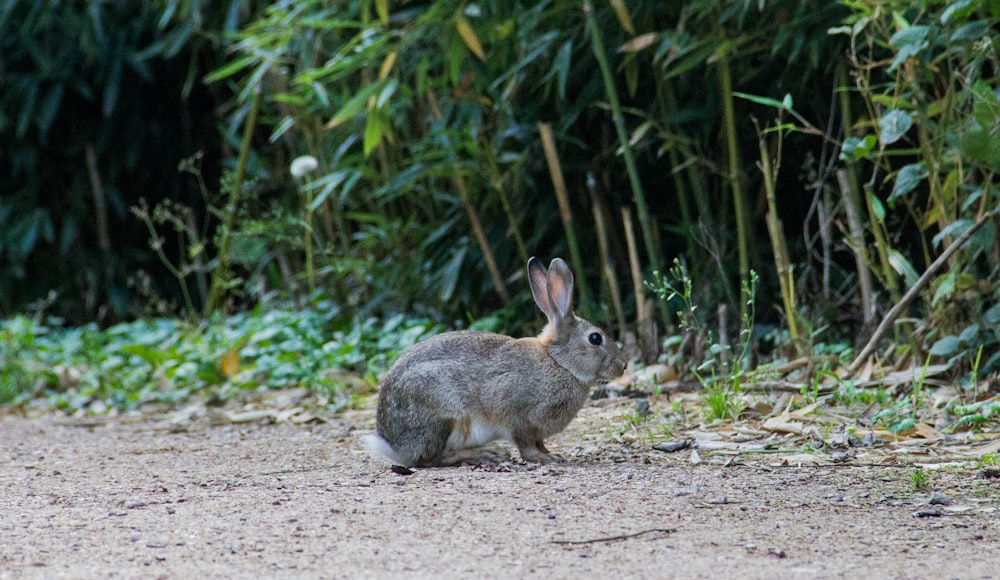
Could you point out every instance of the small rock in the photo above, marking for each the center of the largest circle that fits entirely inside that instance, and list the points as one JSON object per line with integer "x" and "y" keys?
{"x": 673, "y": 446}
{"x": 928, "y": 512}
{"x": 938, "y": 498}
{"x": 401, "y": 470}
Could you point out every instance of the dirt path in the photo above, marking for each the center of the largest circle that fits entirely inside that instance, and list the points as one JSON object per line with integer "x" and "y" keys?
{"x": 140, "y": 497}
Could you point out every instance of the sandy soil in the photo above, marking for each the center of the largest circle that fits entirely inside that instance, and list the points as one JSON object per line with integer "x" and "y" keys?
{"x": 150, "y": 497}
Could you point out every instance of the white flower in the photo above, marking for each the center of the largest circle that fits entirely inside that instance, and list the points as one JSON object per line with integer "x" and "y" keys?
{"x": 302, "y": 166}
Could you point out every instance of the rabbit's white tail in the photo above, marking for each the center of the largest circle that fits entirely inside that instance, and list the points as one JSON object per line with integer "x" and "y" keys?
{"x": 379, "y": 446}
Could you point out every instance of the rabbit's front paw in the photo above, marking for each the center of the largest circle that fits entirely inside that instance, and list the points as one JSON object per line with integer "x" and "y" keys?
{"x": 550, "y": 458}
{"x": 537, "y": 453}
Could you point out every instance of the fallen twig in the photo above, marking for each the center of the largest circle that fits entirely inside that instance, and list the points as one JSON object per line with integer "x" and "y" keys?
{"x": 614, "y": 538}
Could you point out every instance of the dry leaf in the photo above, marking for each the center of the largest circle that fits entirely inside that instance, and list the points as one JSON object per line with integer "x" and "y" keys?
{"x": 799, "y": 413}
{"x": 656, "y": 374}
{"x": 928, "y": 432}
{"x": 469, "y": 37}
{"x": 624, "y": 18}
{"x": 230, "y": 363}
{"x": 993, "y": 447}
{"x": 246, "y": 416}
{"x": 782, "y": 425}
{"x": 803, "y": 459}
{"x": 387, "y": 64}
{"x": 638, "y": 43}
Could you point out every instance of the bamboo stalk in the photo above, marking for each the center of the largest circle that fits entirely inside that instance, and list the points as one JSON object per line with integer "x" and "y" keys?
{"x": 221, "y": 271}
{"x": 856, "y": 240}
{"x": 733, "y": 174}
{"x": 477, "y": 230}
{"x": 645, "y": 325}
{"x": 779, "y": 246}
{"x": 823, "y": 211}
{"x": 559, "y": 185}
{"x": 634, "y": 267}
{"x": 606, "y": 262}
{"x": 638, "y": 194}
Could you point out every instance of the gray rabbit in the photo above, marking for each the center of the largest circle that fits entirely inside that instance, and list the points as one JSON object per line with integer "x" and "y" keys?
{"x": 449, "y": 396}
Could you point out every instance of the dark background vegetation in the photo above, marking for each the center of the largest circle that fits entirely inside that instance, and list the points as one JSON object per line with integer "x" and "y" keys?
{"x": 146, "y": 151}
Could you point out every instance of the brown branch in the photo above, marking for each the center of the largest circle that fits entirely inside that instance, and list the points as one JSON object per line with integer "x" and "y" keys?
{"x": 918, "y": 286}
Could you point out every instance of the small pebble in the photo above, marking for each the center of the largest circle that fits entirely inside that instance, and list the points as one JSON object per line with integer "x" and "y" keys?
{"x": 938, "y": 498}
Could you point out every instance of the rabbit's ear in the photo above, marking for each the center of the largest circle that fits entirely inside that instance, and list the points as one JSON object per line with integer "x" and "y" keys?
{"x": 538, "y": 277}
{"x": 560, "y": 285}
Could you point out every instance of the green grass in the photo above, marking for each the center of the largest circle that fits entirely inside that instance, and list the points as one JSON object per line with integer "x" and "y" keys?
{"x": 919, "y": 479}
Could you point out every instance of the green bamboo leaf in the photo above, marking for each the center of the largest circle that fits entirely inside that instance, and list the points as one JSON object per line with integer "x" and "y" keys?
{"x": 386, "y": 93}
{"x": 354, "y": 105}
{"x": 382, "y": 8}
{"x": 230, "y": 69}
{"x": 286, "y": 123}
{"x": 561, "y": 66}
{"x": 112, "y": 88}
{"x": 766, "y": 101}
{"x": 344, "y": 179}
{"x": 692, "y": 56}
{"x": 893, "y": 125}
{"x": 373, "y": 133}
{"x": 450, "y": 277}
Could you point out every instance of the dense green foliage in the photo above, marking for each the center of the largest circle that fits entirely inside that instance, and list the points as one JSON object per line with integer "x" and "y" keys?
{"x": 101, "y": 101}
{"x": 834, "y": 148}
{"x": 89, "y": 369}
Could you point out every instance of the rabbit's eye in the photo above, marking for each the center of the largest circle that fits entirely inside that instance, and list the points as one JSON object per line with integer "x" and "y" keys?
{"x": 595, "y": 338}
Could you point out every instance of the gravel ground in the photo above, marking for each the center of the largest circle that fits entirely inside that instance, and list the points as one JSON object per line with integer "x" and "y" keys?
{"x": 146, "y": 496}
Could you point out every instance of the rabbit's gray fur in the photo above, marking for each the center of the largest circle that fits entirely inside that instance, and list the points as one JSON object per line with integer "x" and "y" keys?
{"x": 447, "y": 397}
